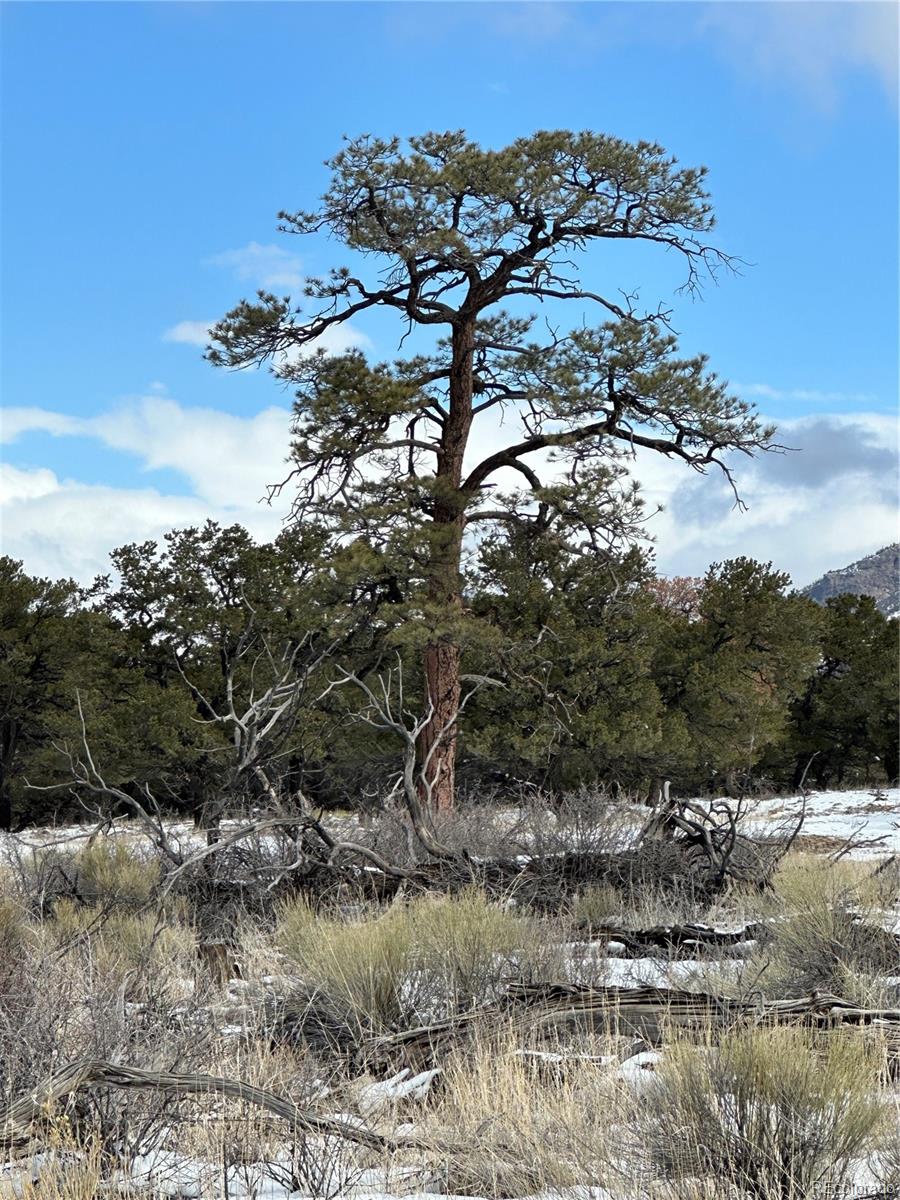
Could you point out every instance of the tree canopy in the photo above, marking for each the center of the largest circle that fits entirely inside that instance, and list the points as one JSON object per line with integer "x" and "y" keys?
{"x": 461, "y": 238}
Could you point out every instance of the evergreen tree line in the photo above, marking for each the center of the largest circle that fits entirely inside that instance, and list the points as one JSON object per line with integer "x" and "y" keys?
{"x": 606, "y": 674}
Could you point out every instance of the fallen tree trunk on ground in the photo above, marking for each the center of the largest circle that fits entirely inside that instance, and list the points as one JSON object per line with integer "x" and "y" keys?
{"x": 20, "y": 1119}
{"x": 681, "y": 940}
{"x": 643, "y": 1012}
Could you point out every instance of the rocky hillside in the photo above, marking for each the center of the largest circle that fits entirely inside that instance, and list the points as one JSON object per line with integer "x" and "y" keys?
{"x": 877, "y": 575}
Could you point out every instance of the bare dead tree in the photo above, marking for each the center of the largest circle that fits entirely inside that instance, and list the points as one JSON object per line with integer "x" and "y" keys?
{"x": 87, "y": 781}
{"x": 385, "y": 709}
{"x": 257, "y": 730}
{"x": 259, "y": 726}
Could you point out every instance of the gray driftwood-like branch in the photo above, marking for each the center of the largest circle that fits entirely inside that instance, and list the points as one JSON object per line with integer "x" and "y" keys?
{"x": 19, "y": 1121}
{"x": 259, "y": 727}
{"x": 87, "y": 781}
{"x": 384, "y": 710}
{"x": 646, "y": 1012}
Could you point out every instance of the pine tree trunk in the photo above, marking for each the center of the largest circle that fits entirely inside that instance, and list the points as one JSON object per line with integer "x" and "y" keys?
{"x": 8, "y": 739}
{"x": 437, "y": 746}
{"x": 443, "y": 689}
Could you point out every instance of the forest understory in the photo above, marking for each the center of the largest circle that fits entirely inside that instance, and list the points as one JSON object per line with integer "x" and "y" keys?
{"x": 572, "y": 1004}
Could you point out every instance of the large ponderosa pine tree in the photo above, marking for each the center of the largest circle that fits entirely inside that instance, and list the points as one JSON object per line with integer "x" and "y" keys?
{"x": 386, "y": 450}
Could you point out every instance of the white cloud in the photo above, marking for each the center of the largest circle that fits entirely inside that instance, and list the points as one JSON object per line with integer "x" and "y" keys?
{"x": 267, "y": 266}
{"x": 337, "y": 339}
{"x": 189, "y": 333}
{"x": 16, "y": 484}
{"x": 829, "y": 504}
{"x": 229, "y": 461}
{"x": 16, "y": 421}
{"x": 832, "y": 502}
{"x": 813, "y": 47}
{"x": 65, "y": 529}
{"x": 810, "y": 45}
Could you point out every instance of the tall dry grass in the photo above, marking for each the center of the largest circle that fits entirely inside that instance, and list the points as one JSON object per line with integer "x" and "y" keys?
{"x": 826, "y": 923}
{"x": 769, "y": 1112}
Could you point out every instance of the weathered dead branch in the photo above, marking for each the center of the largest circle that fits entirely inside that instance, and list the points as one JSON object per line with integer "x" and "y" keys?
{"x": 21, "y": 1119}
{"x": 682, "y": 941}
{"x": 711, "y": 834}
{"x": 644, "y": 1012}
{"x": 384, "y": 709}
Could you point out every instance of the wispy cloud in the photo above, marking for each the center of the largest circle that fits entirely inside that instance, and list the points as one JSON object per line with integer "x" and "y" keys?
{"x": 809, "y": 46}
{"x": 227, "y": 460}
{"x": 337, "y": 339}
{"x": 65, "y": 527}
{"x": 534, "y": 20}
{"x": 267, "y": 266}
{"x": 189, "y": 333}
{"x": 16, "y": 421}
{"x": 765, "y": 391}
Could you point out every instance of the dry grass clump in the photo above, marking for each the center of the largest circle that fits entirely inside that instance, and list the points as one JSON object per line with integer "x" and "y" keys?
{"x": 111, "y": 874}
{"x": 802, "y": 878}
{"x": 71, "y": 1168}
{"x": 433, "y": 956}
{"x": 772, "y": 1113}
{"x": 518, "y": 1130}
{"x": 886, "y": 1160}
{"x": 825, "y": 933}
{"x": 120, "y": 939}
{"x": 467, "y": 947}
{"x": 360, "y": 965}
{"x": 76, "y": 1005}
{"x": 38, "y": 876}
{"x": 596, "y": 905}
{"x": 13, "y": 944}
{"x": 651, "y": 905}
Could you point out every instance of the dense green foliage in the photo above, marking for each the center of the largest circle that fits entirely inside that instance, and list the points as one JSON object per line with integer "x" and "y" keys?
{"x": 847, "y": 716}
{"x": 611, "y": 675}
{"x": 497, "y": 420}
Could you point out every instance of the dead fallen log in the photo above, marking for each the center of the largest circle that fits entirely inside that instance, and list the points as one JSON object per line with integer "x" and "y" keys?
{"x": 20, "y": 1120}
{"x": 647, "y": 1013}
{"x": 687, "y": 1008}
{"x": 823, "y": 1008}
{"x": 680, "y": 941}
{"x": 548, "y": 1009}
{"x": 690, "y": 940}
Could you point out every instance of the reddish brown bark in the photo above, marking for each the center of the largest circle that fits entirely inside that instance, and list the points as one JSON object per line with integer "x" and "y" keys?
{"x": 437, "y": 753}
{"x": 443, "y": 690}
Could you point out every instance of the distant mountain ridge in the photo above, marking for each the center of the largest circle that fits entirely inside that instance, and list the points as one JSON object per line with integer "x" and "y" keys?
{"x": 876, "y": 575}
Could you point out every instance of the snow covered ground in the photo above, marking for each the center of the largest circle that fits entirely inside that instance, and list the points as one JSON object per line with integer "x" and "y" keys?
{"x": 871, "y": 819}
{"x": 868, "y": 820}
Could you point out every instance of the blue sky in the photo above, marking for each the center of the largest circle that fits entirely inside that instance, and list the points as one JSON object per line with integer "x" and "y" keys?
{"x": 147, "y": 148}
